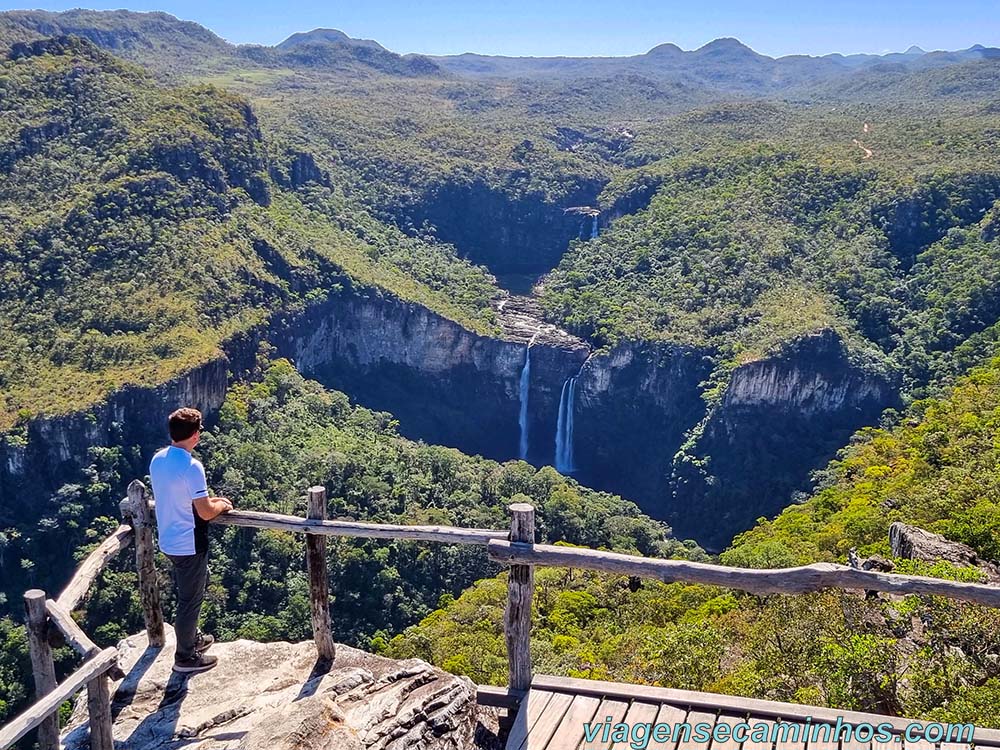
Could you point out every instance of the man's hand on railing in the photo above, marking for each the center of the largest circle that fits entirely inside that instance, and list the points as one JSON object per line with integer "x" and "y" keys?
{"x": 211, "y": 507}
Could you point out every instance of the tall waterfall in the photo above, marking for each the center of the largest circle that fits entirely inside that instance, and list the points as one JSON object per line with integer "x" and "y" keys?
{"x": 595, "y": 229}
{"x": 522, "y": 419}
{"x": 564, "y": 429}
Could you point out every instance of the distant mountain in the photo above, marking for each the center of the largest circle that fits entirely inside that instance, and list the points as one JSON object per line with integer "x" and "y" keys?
{"x": 915, "y": 57}
{"x": 128, "y": 34}
{"x": 727, "y": 65}
{"x": 321, "y": 36}
{"x": 332, "y": 48}
{"x": 719, "y": 69}
{"x": 961, "y": 81}
{"x": 171, "y": 45}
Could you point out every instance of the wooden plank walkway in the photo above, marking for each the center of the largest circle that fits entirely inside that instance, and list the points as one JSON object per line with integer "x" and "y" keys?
{"x": 553, "y": 714}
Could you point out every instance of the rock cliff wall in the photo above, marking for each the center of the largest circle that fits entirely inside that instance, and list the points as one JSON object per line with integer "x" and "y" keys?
{"x": 444, "y": 383}
{"x": 779, "y": 419}
{"x": 635, "y": 405}
{"x": 51, "y": 450}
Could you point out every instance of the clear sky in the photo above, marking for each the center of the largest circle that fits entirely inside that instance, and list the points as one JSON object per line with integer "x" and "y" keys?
{"x": 597, "y": 27}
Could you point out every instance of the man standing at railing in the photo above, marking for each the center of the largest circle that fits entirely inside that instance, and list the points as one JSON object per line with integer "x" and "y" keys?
{"x": 183, "y": 510}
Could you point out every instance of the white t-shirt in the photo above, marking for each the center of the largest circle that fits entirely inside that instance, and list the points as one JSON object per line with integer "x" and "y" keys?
{"x": 178, "y": 478}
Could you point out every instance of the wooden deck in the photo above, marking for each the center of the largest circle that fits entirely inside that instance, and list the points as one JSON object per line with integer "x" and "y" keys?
{"x": 553, "y": 714}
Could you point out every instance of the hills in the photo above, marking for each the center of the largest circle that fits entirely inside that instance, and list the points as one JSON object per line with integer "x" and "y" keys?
{"x": 726, "y": 66}
{"x": 720, "y": 264}
{"x": 167, "y": 205}
{"x": 734, "y": 224}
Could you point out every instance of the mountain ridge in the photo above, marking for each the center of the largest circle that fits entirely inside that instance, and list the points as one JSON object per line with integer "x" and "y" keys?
{"x": 726, "y": 62}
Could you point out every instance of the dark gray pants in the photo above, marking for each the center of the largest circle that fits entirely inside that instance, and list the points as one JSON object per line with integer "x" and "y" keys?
{"x": 190, "y": 580}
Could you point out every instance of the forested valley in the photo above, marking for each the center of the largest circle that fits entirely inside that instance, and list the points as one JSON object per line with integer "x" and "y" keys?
{"x": 708, "y": 305}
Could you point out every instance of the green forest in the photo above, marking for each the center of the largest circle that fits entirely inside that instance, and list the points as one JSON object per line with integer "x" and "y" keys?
{"x": 276, "y": 437}
{"x": 907, "y": 656}
{"x": 661, "y": 225}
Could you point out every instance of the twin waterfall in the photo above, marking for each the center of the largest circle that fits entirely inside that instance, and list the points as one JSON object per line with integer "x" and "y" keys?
{"x": 564, "y": 429}
{"x": 563, "y": 462}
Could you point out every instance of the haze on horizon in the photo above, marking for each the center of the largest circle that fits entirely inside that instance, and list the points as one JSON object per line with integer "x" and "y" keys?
{"x": 590, "y": 28}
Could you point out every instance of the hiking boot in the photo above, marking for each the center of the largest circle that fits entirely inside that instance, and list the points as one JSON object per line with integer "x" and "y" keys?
{"x": 203, "y": 642}
{"x": 197, "y": 663}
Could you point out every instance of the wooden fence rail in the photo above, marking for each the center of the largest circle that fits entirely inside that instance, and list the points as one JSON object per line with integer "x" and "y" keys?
{"x": 85, "y": 575}
{"x": 757, "y": 581}
{"x": 280, "y": 522}
{"x": 515, "y": 548}
{"x": 48, "y": 705}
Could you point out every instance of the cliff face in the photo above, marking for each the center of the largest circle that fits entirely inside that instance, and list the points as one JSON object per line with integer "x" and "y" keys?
{"x": 267, "y": 696}
{"x": 507, "y": 234}
{"x": 53, "y": 449}
{"x": 446, "y": 384}
{"x": 641, "y": 428}
{"x": 634, "y": 407}
{"x": 779, "y": 419}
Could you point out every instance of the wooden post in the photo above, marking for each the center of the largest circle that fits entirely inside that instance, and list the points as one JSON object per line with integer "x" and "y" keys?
{"x": 149, "y": 587}
{"x": 99, "y": 710}
{"x": 42, "y": 666}
{"x": 319, "y": 590}
{"x": 520, "y": 588}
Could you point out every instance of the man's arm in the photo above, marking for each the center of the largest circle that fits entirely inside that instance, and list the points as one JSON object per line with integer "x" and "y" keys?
{"x": 208, "y": 508}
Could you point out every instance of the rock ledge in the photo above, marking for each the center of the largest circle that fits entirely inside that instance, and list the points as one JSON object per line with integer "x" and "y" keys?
{"x": 270, "y": 695}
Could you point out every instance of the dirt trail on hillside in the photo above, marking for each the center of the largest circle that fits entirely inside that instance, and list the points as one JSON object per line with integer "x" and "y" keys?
{"x": 868, "y": 152}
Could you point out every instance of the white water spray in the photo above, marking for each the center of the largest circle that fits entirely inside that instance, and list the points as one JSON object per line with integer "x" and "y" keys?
{"x": 522, "y": 419}
{"x": 595, "y": 229}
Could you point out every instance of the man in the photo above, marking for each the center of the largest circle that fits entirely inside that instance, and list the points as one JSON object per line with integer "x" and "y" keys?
{"x": 183, "y": 510}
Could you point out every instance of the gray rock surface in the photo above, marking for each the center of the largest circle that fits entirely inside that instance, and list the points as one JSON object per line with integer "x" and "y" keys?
{"x": 267, "y": 696}
{"x": 913, "y": 543}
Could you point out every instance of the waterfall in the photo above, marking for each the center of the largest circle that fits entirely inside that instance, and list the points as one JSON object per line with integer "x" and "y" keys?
{"x": 522, "y": 419}
{"x": 564, "y": 428}
{"x": 595, "y": 229}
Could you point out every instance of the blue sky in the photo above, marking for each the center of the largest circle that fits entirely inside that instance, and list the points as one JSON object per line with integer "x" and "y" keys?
{"x": 598, "y": 27}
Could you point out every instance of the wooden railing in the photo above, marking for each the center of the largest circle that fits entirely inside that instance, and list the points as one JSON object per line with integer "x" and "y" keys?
{"x": 516, "y": 548}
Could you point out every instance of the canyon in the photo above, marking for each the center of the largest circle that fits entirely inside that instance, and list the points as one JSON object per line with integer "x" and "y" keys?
{"x": 641, "y": 427}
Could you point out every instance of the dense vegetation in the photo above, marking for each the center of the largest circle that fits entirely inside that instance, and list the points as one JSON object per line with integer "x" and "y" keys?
{"x": 764, "y": 220}
{"x": 278, "y": 436}
{"x": 744, "y": 250}
{"x": 907, "y": 656}
{"x": 143, "y": 226}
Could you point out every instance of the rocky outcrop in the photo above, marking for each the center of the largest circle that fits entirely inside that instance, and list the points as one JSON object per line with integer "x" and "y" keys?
{"x": 271, "y": 696}
{"x": 914, "y": 543}
{"x": 521, "y": 320}
{"x": 828, "y": 385}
